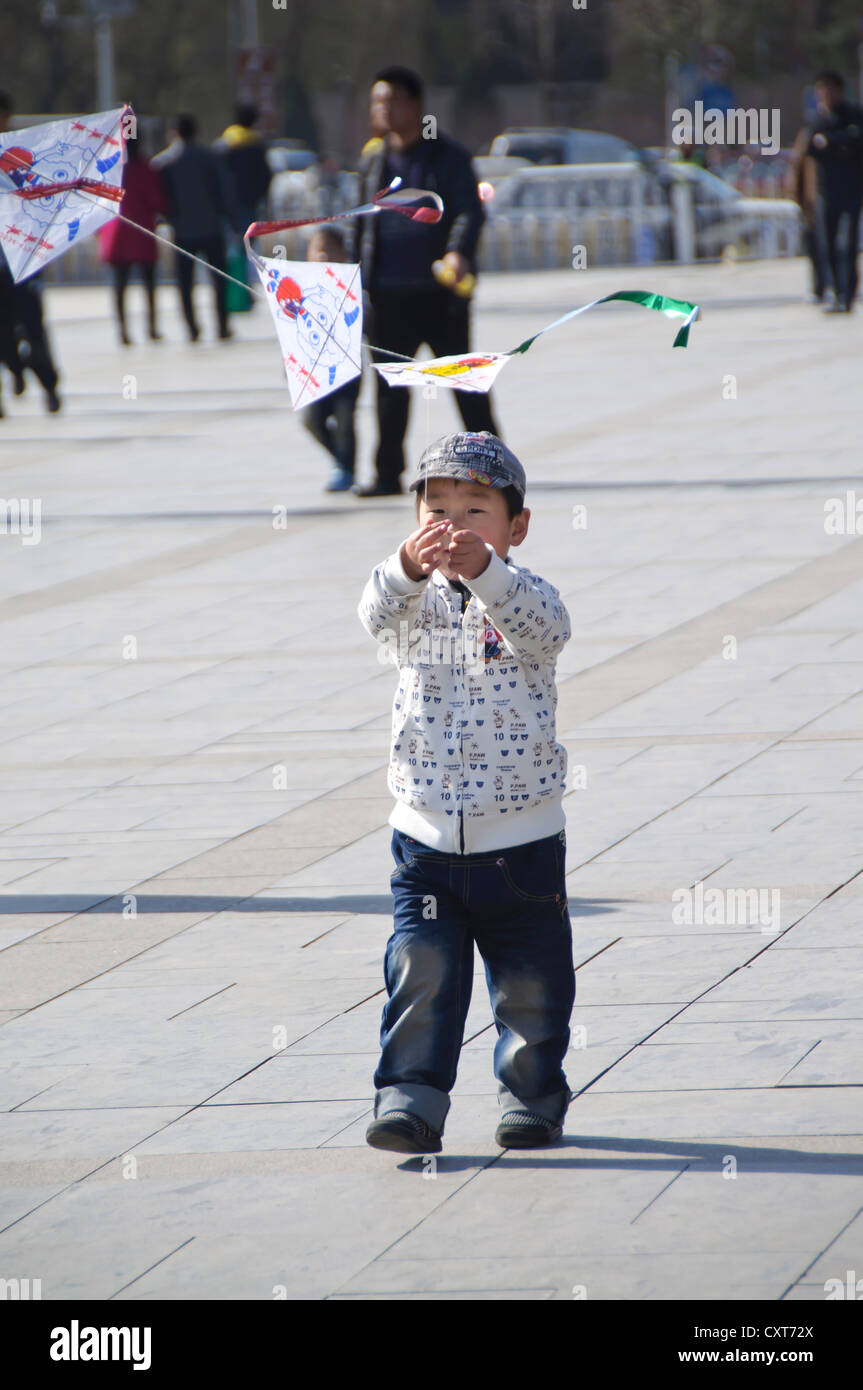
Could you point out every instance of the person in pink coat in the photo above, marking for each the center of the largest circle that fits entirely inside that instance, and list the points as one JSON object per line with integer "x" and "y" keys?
{"x": 123, "y": 247}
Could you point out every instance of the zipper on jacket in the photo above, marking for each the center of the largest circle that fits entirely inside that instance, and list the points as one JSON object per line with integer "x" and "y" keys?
{"x": 465, "y": 600}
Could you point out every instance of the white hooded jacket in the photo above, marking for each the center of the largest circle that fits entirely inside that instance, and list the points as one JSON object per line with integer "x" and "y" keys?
{"x": 475, "y": 764}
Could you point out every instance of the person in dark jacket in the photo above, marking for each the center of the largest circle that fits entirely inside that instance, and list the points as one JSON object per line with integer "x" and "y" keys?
{"x": 406, "y": 305}
{"x": 9, "y": 356}
{"x": 242, "y": 149}
{"x": 201, "y": 203}
{"x": 23, "y": 337}
{"x": 837, "y": 148}
{"x": 805, "y": 192}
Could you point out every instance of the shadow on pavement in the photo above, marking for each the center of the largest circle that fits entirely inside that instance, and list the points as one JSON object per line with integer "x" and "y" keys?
{"x": 210, "y": 902}
{"x": 671, "y": 1155}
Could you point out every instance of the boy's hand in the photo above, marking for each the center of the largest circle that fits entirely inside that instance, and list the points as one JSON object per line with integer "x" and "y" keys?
{"x": 422, "y": 551}
{"x": 468, "y": 554}
{"x": 462, "y": 552}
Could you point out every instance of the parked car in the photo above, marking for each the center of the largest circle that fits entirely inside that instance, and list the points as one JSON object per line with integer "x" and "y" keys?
{"x": 632, "y": 202}
{"x": 558, "y": 145}
{"x": 723, "y": 216}
{"x": 564, "y": 187}
{"x": 285, "y": 155}
{"x": 539, "y": 214}
{"x": 493, "y": 168}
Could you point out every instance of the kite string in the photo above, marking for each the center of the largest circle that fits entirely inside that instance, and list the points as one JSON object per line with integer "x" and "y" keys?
{"x": 214, "y": 270}
{"x": 258, "y": 294}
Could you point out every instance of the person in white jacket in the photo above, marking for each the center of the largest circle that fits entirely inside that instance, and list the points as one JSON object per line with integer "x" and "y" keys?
{"x": 479, "y": 836}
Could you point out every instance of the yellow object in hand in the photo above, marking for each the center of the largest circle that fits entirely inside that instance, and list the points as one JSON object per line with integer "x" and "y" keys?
{"x": 445, "y": 275}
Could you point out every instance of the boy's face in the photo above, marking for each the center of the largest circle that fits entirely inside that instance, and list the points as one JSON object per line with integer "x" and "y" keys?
{"x": 471, "y": 507}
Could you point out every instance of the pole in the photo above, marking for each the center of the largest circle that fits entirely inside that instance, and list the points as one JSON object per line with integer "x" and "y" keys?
{"x": 683, "y": 221}
{"x": 545, "y": 50}
{"x": 251, "y": 32}
{"x": 105, "y": 63}
{"x": 672, "y": 95}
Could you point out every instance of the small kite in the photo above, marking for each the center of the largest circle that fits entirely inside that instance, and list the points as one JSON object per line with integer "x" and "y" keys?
{"x": 476, "y": 371}
{"x": 317, "y": 306}
{"x": 58, "y": 183}
{"x": 318, "y": 312}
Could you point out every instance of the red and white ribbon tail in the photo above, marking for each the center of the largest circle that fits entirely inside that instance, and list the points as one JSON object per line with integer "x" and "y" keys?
{"x": 417, "y": 204}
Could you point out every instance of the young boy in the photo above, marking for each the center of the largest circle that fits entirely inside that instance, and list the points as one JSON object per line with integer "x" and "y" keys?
{"x": 331, "y": 419}
{"x": 478, "y": 776}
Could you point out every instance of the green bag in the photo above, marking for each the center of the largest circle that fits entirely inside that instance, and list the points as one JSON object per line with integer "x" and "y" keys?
{"x": 237, "y": 301}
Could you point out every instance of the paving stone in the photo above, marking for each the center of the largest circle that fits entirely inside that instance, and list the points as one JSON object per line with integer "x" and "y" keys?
{"x": 263, "y": 909}
{"x": 294, "y": 1125}
{"x": 677, "y": 1276}
{"x": 96, "y": 1134}
{"x": 707, "y": 1066}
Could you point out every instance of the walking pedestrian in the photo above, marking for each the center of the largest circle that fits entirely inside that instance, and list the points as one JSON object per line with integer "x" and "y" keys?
{"x": 23, "y": 335}
{"x": 124, "y": 247}
{"x": 806, "y": 196}
{"x": 407, "y": 306}
{"x": 837, "y": 148}
{"x": 201, "y": 204}
{"x": 244, "y": 154}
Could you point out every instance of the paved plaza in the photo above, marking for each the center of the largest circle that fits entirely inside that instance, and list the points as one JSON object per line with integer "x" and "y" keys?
{"x": 194, "y": 862}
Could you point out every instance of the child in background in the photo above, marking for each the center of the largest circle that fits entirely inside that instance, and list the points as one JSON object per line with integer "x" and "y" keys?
{"x": 331, "y": 419}
{"x": 478, "y": 777}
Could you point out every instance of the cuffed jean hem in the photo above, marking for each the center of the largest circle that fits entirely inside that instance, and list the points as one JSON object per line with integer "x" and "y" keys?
{"x": 426, "y": 1102}
{"x": 553, "y": 1107}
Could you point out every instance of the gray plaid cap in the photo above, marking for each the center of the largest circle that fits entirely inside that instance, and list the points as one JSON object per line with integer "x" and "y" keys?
{"x": 474, "y": 458}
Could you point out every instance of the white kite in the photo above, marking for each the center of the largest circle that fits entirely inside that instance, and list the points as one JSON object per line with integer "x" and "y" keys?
{"x": 317, "y": 306}
{"x": 58, "y": 183}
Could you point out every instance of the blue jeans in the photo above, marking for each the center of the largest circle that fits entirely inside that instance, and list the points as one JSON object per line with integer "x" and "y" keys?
{"x": 512, "y": 903}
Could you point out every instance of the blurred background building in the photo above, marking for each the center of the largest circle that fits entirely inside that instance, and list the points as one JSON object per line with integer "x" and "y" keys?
{"x": 487, "y": 63}
{"x": 548, "y": 69}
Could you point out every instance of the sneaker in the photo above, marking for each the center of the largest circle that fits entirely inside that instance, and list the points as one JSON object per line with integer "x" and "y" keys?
{"x": 403, "y": 1133}
{"x": 519, "y": 1129}
{"x": 340, "y": 480}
